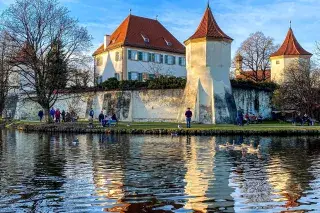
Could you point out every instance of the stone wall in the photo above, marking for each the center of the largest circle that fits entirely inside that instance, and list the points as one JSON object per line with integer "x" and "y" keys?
{"x": 139, "y": 106}
{"x": 254, "y": 101}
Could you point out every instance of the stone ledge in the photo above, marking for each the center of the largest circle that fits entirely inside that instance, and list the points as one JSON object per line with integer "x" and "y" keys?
{"x": 165, "y": 131}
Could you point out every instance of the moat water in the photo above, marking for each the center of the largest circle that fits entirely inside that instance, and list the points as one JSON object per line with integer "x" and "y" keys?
{"x": 51, "y": 173}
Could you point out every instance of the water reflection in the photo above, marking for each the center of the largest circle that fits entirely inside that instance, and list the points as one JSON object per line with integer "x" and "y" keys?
{"x": 51, "y": 172}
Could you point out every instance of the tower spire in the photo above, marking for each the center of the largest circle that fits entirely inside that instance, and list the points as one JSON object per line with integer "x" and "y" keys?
{"x": 208, "y": 5}
{"x": 290, "y": 23}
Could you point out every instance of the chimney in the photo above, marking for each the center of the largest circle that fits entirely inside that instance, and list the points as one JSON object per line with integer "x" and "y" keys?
{"x": 106, "y": 41}
{"x": 239, "y": 59}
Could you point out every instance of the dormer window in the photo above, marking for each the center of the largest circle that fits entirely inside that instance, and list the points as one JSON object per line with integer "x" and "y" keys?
{"x": 145, "y": 39}
{"x": 169, "y": 44}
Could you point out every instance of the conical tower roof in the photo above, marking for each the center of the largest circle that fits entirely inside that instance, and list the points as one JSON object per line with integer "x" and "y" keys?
{"x": 290, "y": 46}
{"x": 208, "y": 28}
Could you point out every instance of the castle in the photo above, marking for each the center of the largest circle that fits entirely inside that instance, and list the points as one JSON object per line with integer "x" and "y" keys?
{"x": 142, "y": 48}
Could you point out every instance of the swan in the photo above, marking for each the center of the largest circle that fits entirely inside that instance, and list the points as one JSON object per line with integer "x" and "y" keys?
{"x": 225, "y": 146}
{"x": 252, "y": 150}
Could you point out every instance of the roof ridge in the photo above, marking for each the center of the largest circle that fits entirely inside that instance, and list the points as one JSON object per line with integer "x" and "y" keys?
{"x": 126, "y": 33}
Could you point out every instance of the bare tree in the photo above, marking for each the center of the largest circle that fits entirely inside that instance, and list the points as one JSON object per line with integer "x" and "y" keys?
{"x": 256, "y": 51}
{"x": 6, "y": 70}
{"x": 300, "y": 89}
{"x": 50, "y": 46}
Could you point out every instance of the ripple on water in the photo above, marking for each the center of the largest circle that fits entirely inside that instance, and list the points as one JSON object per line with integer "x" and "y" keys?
{"x": 45, "y": 173}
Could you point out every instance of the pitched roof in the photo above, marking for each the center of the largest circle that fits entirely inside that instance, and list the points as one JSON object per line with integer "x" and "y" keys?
{"x": 208, "y": 28}
{"x": 290, "y": 46}
{"x": 133, "y": 31}
{"x": 250, "y": 75}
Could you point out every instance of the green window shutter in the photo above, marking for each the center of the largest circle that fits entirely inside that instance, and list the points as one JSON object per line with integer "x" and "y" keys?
{"x": 161, "y": 59}
{"x": 140, "y": 76}
{"x": 149, "y": 57}
{"x": 174, "y": 59}
{"x": 153, "y": 57}
{"x": 140, "y": 56}
{"x": 180, "y": 61}
{"x": 129, "y": 54}
{"x": 152, "y": 76}
{"x": 129, "y": 75}
{"x": 166, "y": 59}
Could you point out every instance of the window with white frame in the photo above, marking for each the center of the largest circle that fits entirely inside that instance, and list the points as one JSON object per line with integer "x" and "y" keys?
{"x": 182, "y": 61}
{"x": 171, "y": 59}
{"x": 134, "y": 76}
{"x": 133, "y": 55}
{"x": 118, "y": 57}
{"x": 157, "y": 58}
{"x": 145, "y": 56}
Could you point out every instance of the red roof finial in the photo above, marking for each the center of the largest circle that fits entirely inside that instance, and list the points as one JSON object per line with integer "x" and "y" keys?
{"x": 208, "y": 28}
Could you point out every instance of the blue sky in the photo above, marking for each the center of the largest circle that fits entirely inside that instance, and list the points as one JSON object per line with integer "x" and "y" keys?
{"x": 237, "y": 18}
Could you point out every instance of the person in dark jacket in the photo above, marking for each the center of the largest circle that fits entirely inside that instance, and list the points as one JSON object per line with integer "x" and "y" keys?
{"x": 40, "y": 114}
{"x": 114, "y": 117}
{"x": 101, "y": 117}
{"x": 188, "y": 115}
{"x": 63, "y": 114}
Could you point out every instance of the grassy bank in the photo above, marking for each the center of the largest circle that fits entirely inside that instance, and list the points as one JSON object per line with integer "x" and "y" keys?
{"x": 268, "y": 128}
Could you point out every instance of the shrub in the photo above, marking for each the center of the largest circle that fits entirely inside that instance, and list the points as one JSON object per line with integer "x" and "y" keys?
{"x": 162, "y": 82}
{"x": 247, "y": 84}
{"x": 110, "y": 84}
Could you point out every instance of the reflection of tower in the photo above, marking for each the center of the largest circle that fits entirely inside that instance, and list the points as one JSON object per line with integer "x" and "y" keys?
{"x": 200, "y": 164}
{"x": 219, "y": 188}
{"x": 288, "y": 170}
{"x": 208, "y": 91}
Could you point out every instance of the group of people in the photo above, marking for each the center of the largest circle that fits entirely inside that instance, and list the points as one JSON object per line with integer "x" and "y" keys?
{"x": 247, "y": 118}
{"x": 302, "y": 120}
{"x": 57, "y": 116}
{"x": 106, "y": 120}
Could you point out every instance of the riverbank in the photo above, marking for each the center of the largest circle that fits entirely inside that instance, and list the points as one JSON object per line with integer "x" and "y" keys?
{"x": 169, "y": 129}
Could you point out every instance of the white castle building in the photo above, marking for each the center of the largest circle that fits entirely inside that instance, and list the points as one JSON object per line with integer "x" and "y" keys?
{"x": 139, "y": 49}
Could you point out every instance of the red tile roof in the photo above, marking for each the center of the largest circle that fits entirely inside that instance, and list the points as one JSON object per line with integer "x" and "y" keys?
{"x": 208, "y": 28}
{"x": 290, "y": 46}
{"x": 131, "y": 31}
{"x": 250, "y": 75}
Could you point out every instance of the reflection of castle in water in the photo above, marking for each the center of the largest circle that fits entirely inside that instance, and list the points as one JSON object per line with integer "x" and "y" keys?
{"x": 207, "y": 176}
{"x": 133, "y": 174}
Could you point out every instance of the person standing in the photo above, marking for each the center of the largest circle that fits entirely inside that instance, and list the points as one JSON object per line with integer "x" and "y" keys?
{"x": 101, "y": 117}
{"x": 58, "y": 114}
{"x": 63, "y": 116}
{"x": 40, "y": 114}
{"x": 91, "y": 113}
{"x": 188, "y": 115}
{"x": 240, "y": 117}
{"x": 52, "y": 113}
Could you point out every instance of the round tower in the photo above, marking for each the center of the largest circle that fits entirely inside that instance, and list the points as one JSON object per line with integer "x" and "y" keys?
{"x": 208, "y": 91}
